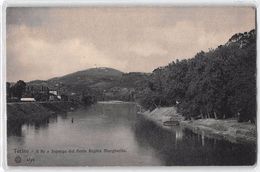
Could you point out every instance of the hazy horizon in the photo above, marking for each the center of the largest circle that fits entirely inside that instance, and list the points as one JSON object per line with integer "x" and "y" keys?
{"x": 75, "y": 72}
{"x": 43, "y": 43}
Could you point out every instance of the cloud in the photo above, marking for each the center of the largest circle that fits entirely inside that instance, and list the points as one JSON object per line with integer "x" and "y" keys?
{"x": 146, "y": 49}
{"x": 48, "y": 42}
{"x": 39, "y": 58}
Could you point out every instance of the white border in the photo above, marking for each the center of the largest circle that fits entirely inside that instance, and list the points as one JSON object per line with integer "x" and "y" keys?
{"x": 79, "y": 3}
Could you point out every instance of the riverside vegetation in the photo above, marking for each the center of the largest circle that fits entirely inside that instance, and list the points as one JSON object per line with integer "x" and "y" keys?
{"x": 220, "y": 83}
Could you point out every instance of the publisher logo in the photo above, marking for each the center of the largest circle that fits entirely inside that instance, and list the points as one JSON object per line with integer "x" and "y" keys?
{"x": 18, "y": 159}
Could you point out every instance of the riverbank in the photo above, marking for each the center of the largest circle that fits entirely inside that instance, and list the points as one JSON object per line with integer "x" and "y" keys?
{"x": 114, "y": 102}
{"x": 227, "y": 129}
{"x": 37, "y": 110}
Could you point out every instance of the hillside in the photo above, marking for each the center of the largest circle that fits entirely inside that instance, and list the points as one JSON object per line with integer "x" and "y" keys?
{"x": 98, "y": 78}
{"x": 220, "y": 83}
{"x": 114, "y": 83}
{"x": 85, "y": 74}
{"x": 134, "y": 79}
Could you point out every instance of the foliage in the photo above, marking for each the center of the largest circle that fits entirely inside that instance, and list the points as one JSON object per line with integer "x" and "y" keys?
{"x": 218, "y": 84}
{"x": 18, "y": 89}
{"x": 88, "y": 100}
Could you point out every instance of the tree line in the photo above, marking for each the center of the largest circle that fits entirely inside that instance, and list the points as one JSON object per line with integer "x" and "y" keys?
{"x": 220, "y": 83}
{"x": 18, "y": 90}
{"x": 15, "y": 90}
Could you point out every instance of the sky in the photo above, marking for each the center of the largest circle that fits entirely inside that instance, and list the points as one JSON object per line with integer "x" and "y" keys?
{"x": 46, "y": 42}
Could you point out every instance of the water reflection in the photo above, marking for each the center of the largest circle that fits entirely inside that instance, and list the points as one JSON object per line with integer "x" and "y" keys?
{"x": 118, "y": 126}
{"x": 16, "y": 127}
{"x": 182, "y": 147}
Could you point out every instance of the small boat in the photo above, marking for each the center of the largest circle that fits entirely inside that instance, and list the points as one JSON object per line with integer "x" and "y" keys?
{"x": 171, "y": 123}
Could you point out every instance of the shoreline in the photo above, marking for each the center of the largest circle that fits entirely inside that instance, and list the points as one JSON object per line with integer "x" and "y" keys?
{"x": 114, "y": 102}
{"x": 227, "y": 129}
{"x": 28, "y": 111}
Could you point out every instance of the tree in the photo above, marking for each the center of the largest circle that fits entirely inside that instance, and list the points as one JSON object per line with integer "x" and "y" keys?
{"x": 219, "y": 83}
{"x": 19, "y": 89}
{"x": 8, "y": 90}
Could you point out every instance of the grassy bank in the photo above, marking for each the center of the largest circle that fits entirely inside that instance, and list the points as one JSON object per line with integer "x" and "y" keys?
{"x": 227, "y": 129}
{"x": 36, "y": 110}
{"x": 162, "y": 114}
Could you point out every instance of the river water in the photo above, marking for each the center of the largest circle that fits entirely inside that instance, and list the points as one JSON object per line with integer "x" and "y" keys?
{"x": 113, "y": 134}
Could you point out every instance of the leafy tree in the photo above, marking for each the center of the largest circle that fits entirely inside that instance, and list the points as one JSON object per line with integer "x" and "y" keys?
{"x": 19, "y": 89}
{"x": 220, "y": 83}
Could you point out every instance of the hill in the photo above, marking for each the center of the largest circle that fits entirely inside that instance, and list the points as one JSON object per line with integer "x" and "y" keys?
{"x": 96, "y": 78}
{"x": 98, "y": 81}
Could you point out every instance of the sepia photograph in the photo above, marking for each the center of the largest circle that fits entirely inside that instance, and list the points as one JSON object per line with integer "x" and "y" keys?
{"x": 131, "y": 86}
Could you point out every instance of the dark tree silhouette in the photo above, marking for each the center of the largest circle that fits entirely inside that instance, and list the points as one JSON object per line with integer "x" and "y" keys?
{"x": 218, "y": 84}
{"x": 19, "y": 89}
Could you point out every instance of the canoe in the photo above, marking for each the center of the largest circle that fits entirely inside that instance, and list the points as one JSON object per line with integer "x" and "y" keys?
{"x": 171, "y": 123}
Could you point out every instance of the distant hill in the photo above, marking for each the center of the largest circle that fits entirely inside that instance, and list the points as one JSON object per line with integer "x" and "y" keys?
{"x": 134, "y": 79}
{"x": 92, "y": 72}
{"x": 95, "y": 79}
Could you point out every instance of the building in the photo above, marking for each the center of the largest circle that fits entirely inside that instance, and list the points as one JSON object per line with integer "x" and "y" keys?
{"x": 54, "y": 92}
{"x": 27, "y": 99}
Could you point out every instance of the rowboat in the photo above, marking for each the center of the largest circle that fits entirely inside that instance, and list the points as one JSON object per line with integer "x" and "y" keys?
{"x": 171, "y": 123}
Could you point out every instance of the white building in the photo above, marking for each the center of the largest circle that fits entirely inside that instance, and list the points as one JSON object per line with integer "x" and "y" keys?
{"x": 54, "y": 92}
{"x": 28, "y": 99}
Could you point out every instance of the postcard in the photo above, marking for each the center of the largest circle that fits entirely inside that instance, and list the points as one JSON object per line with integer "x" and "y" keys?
{"x": 131, "y": 85}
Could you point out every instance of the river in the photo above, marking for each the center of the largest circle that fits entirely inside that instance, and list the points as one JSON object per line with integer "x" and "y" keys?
{"x": 113, "y": 134}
